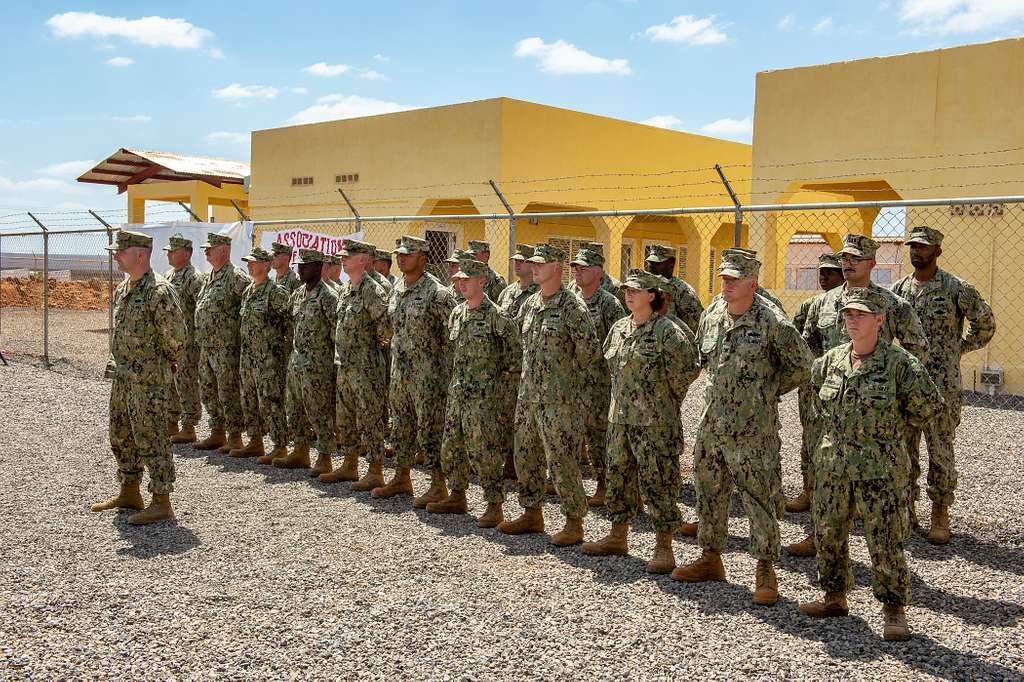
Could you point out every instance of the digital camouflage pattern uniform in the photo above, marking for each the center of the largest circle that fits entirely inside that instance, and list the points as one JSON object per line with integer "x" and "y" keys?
{"x": 290, "y": 282}
{"x": 485, "y": 355}
{"x": 943, "y": 303}
{"x": 685, "y": 304}
{"x": 608, "y": 283}
{"x": 217, "y": 334}
{"x": 751, "y": 362}
{"x": 183, "y": 396}
{"x": 652, "y": 366}
{"x": 311, "y": 371}
{"x": 420, "y": 363}
{"x": 265, "y": 329}
{"x": 458, "y": 255}
{"x": 862, "y": 456}
{"x": 149, "y": 336}
{"x": 363, "y": 325}
{"x": 495, "y": 283}
{"x": 559, "y": 344}
{"x": 605, "y": 310}
{"x": 334, "y": 284}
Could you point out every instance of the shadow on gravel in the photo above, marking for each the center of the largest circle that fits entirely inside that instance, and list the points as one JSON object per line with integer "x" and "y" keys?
{"x": 999, "y": 557}
{"x": 159, "y": 539}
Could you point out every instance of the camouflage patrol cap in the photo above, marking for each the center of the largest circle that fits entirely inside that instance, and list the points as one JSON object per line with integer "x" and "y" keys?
{"x": 739, "y": 251}
{"x": 126, "y": 239}
{"x": 596, "y": 247}
{"x": 331, "y": 259}
{"x": 739, "y": 264}
{"x": 829, "y": 260}
{"x": 213, "y": 239}
{"x": 470, "y": 268}
{"x": 410, "y": 244}
{"x": 642, "y": 279}
{"x": 310, "y": 256}
{"x": 523, "y": 252}
{"x": 178, "y": 241}
{"x": 862, "y": 298}
{"x": 478, "y": 246}
{"x": 353, "y": 246}
{"x": 381, "y": 254}
{"x": 280, "y": 248}
{"x": 587, "y": 258}
{"x": 928, "y": 236}
{"x": 546, "y": 253}
{"x": 859, "y": 245}
{"x": 258, "y": 255}
{"x": 660, "y": 253}
{"x": 458, "y": 255}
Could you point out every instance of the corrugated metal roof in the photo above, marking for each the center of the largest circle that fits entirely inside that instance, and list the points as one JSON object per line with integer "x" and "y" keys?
{"x": 138, "y": 166}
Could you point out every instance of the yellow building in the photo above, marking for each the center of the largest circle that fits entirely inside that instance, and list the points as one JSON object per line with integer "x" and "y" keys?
{"x": 438, "y": 161}
{"x": 937, "y": 124}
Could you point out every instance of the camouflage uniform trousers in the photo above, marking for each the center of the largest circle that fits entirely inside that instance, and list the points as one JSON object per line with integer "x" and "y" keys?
{"x": 550, "y": 436}
{"x": 471, "y": 439}
{"x": 138, "y": 433}
{"x": 310, "y": 407}
{"x": 263, "y": 402}
{"x": 506, "y": 419}
{"x": 417, "y": 420}
{"x": 360, "y": 412}
{"x": 939, "y": 432}
{"x": 597, "y": 427}
{"x": 752, "y": 464}
{"x": 183, "y": 391}
{"x": 219, "y": 381}
{"x": 884, "y": 513}
{"x": 811, "y": 434}
{"x": 644, "y": 458}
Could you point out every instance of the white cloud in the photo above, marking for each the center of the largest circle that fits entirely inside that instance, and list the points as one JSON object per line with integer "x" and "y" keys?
{"x": 66, "y": 169}
{"x": 236, "y": 92}
{"x": 121, "y": 61}
{"x": 564, "y": 58}
{"x": 663, "y": 121}
{"x": 226, "y": 138}
{"x": 215, "y": 53}
{"x": 336, "y": 107}
{"x": 734, "y": 128}
{"x": 151, "y": 31}
{"x": 823, "y": 25}
{"x": 381, "y": 58}
{"x": 787, "y": 22}
{"x": 371, "y": 75}
{"x": 959, "y": 16}
{"x": 139, "y": 118}
{"x": 688, "y": 29}
{"x": 326, "y": 70}
{"x": 299, "y": 90}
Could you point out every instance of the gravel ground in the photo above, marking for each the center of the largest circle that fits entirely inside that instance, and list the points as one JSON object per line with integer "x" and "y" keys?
{"x": 78, "y": 339}
{"x": 268, "y": 575}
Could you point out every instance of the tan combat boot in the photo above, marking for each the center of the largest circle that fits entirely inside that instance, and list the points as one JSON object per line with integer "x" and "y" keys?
{"x": 400, "y": 484}
{"x": 707, "y": 568}
{"x": 159, "y": 509}
{"x": 832, "y": 606}
{"x": 323, "y": 465}
{"x": 493, "y": 515}
{"x": 348, "y": 471}
{"x": 172, "y": 427}
{"x": 571, "y": 534}
{"x": 214, "y": 441}
{"x": 663, "y": 560}
{"x": 128, "y": 498}
{"x": 766, "y": 591}
{"x": 186, "y": 435}
{"x": 254, "y": 448}
{"x": 613, "y": 544}
{"x": 938, "y": 531}
{"x": 298, "y": 458}
{"x": 437, "y": 491}
{"x": 233, "y": 442}
{"x": 804, "y": 548}
{"x": 896, "y": 628}
{"x": 374, "y": 478}
{"x": 800, "y": 503}
{"x": 455, "y": 503}
{"x": 531, "y": 521}
{"x": 689, "y": 529}
{"x": 279, "y": 452}
{"x": 600, "y": 494}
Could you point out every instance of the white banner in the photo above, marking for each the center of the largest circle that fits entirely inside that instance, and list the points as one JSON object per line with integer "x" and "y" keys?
{"x": 240, "y": 233}
{"x": 299, "y": 238}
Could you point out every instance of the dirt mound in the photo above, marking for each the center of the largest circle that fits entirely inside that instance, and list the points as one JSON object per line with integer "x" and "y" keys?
{"x": 27, "y": 292}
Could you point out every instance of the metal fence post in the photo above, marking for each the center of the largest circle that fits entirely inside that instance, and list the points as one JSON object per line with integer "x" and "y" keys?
{"x": 351, "y": 207}
{"x": 110, "y": 280}
{"x": 511, "y": 230}
{"x": 737, "y": 232}
{"x": 46, "y": 290}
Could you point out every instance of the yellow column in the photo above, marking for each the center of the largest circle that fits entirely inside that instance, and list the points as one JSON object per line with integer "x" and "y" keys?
{"x": 199, "y": 202}
{"x": 136, "y": 210}
{"x": 700, "y": 249}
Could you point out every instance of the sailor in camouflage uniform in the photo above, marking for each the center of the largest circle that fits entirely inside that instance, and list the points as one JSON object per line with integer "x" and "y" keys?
{"x": 761, "y": 292}
{"x": 284, "y": 276}
{"x": 419, "y": 308}
{"x": 451, "y": 264}
{"x": 652, "y": 363}
{"x": 331, "y": 275}
{"x": 481, "y": 251}
{"x": 608, "y": 283}
{"x": 943, "y": 302}
{"x": 869, "y": 392}
{"x": 148, "y": 338}
{"x": 217, "y": 333}
{"x": 684, "y": 302}
{"x": 372, "y": 273}
{"x": 605, "y": 310}
{"x": 753, "y": 356}
{"x": 559, "y": 344}
{"x": 183, "y": 396}
{"x": 265, "y": 329}
{"x": 485, "y": 355}
{"x": 382, "y": 264}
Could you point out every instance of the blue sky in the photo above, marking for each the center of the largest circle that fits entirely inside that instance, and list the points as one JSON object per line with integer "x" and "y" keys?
{"x": 196, "y": 77}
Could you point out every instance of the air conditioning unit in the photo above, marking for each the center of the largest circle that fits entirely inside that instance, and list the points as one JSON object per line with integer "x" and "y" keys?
{"x": 990, "y": 376}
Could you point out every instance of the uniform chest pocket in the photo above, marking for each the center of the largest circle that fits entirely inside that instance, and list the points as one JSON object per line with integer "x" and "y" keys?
{"x": 877, "y": 393}
{"x": 708, "y": 345}
{"x": 939, "y": 308}
{"x": 479, "y": 329}
{"x": 827, "y": 320}
{"x": 258, "y": 306}
{"x": 552, "y": 325}
{"x": 829, "y": 391}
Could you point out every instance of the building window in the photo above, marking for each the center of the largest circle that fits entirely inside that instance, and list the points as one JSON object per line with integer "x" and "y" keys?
{"x": 306, "y": 180}
{"x": 347, "y": 177}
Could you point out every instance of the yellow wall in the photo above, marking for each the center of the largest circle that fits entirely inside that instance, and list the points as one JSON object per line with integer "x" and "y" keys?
{"x": 198, "y": 195}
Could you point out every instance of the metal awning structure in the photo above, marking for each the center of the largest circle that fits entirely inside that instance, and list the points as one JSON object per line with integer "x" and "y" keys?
{"x": 135, "y": 166}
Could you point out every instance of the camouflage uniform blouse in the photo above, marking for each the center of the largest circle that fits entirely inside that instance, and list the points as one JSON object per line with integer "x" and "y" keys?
{"x": 187, "y": 282}
{"x": 652, "y": 367}
{"x": 315, "y": 314}
{"x": 494, "y": 284}
{"x": 290, "y": 282}
{"x": 419, "y": 319}
{"x": 514, "y": 296}
{"x": 217, "y": 307}
{"x": 685, "y": 303}
{"x": 363, "y": 323}
{"x": 266, "y": 322}
{"x": 149, "y": 332}
{"x": 485, "y": 349}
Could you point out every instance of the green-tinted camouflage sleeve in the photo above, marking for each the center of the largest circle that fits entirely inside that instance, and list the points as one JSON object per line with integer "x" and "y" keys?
{"x": 801, "y": 316}
{"x": 581, "y": 330}
{"x": 810, "y": 332}
{"x": 981, "y": 322}
{"x": 917, "y": 393}
{"x": 512, "y": 347}
{"x": 168, "y": 323}
{"x": 909, "y": 330}
{"x": 376, "y": 303}
{"x": 682, "y": 364}
{"x": 794, "y": 358}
